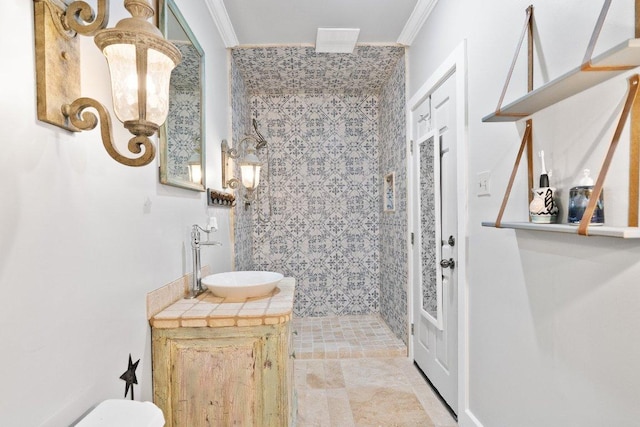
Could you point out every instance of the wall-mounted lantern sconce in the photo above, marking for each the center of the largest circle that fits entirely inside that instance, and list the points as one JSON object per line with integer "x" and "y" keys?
{"x": 250, "y": 165}
{"x": 195, "y": 164}
{"x": 140, "y": 62}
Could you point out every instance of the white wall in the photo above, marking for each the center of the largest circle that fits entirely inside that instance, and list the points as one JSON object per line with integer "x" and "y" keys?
{"x": 553, "y": 319}
{"x": 83, "y": 239}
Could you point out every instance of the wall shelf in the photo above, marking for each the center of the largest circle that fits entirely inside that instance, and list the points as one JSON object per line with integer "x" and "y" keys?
{"x": 607, "y": 231}
{"x": 593, "y": 71}
{"x": 622, "y": 58}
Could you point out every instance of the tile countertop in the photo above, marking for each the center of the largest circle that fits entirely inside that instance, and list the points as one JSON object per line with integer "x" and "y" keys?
{"x": 208, "y": 310}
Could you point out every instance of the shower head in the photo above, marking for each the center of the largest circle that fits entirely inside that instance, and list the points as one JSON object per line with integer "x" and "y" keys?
{"x": 260, "y": 140}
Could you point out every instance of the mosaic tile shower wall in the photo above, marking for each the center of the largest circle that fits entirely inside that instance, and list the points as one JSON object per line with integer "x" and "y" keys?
{"x": 291, "y": 69}
{"x": 335, "y": 125}
{"x": 243, "y": 223}
{"x": 394, "y": 225}
{"x": 323, "y": 220}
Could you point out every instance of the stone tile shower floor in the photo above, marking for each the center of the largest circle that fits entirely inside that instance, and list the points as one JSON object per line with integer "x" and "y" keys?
{"x": 364, "y": 387}
{"x": 344, "y": 337}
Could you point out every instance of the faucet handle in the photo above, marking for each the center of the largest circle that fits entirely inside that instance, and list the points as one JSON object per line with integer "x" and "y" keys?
{"x": 196, "y": 229}
{"x": 195, "y": 237}
{"x": 212, "y": 225}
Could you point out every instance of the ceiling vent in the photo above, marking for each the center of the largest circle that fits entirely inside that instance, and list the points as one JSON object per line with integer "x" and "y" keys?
{"x": 337, "y": 40}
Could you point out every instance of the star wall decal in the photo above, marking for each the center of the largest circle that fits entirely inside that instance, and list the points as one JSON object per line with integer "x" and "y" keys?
{"x": 130, "y": 377}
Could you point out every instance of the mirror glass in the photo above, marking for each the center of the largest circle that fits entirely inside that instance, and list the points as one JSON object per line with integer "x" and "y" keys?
{"x": 182, "y": 136}
{"x": 429, "y": 276}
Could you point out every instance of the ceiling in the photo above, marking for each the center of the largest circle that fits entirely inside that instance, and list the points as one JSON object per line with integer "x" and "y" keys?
{"x": 273, "y": 41}
{"x": 260, "y": 22}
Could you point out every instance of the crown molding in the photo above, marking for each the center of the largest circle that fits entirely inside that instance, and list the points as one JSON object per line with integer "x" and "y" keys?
{"x": 416, "y": 20}
{"x": 223, "y": 23}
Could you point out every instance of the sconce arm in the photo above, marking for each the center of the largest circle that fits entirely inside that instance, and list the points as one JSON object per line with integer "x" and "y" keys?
{"x": 232, "y": 153}
{"x": 253, "y": 139}
{"x": 81, "y": 18}
{"x": 260, "y": 140}
{"x": 86, "y": 120}
{"x": 228, "y": 153}
{"x": 233, "y": 183}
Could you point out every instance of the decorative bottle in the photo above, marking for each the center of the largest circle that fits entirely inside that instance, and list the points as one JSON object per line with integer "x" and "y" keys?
{"x": 579, "y": 197}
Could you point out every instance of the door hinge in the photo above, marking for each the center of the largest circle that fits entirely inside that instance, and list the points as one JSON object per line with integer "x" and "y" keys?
{"x": 412, "y": 238}
{"x": 412, "y": 329}
{"x": 411, "y": 146}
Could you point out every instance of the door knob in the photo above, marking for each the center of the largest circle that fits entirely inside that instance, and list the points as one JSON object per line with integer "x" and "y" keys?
{"x": 448, "y": 263}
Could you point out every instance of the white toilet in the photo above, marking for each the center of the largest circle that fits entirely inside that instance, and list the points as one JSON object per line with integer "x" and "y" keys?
{"x": 123, "y": 413}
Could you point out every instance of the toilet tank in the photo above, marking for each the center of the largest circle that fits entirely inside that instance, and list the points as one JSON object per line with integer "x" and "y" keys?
{"x": 123, "y": 413}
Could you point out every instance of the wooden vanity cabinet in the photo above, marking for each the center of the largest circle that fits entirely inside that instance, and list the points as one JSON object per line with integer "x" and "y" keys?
{"x": 224, "y": 376}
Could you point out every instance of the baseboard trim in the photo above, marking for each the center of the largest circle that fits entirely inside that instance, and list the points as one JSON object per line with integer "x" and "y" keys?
{"x": 437, "y": 393}
{"x": 467, "y": 419}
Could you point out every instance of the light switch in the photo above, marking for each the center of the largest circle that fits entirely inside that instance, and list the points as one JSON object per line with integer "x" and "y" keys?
{"x": 483, "y": 186}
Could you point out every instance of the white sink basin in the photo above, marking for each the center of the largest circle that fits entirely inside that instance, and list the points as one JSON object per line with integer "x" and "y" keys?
{"x": 239, "y": 285}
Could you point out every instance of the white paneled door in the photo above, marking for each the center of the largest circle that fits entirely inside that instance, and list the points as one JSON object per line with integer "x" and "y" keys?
{"x": 435, "y": 299}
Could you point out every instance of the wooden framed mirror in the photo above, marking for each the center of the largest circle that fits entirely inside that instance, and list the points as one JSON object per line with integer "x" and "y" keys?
{"x": 182, "y": 137}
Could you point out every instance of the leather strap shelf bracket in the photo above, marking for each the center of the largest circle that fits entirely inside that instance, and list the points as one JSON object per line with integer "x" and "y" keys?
{"x": 583, "y": 228}
{"x": 526, "y": 30}
{"x": 527, "y": 140}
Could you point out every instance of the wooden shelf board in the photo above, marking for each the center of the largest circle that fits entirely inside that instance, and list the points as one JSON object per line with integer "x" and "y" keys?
{"x": 597, "y": 230}
{"x": 571, "y": 83}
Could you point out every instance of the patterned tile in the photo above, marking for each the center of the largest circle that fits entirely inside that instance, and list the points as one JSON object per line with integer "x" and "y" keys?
{"x": 187, "y": 74}
{"x": 184, "y": 104}
{"x": 240, "y": 125}
{"x": 309, "y": 226}
{"x": 335, "y": 126}
{"x": 394, "y": 225}
{"x": 285, "y": 69}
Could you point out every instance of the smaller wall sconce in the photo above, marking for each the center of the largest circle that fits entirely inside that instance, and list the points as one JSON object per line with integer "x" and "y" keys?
{"x": 195, "y": 164}
{"x": 140, "y": 61}
{"x": 250, "y": 165}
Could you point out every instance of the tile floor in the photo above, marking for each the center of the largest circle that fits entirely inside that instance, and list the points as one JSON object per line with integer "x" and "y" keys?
{"x": 366, "y": 386}
{"x": 344, "y": 337}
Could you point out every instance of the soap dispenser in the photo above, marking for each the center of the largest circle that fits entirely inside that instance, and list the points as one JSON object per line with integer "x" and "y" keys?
{"x": 579, "y": 197}
{"x": 543, "y": 208}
